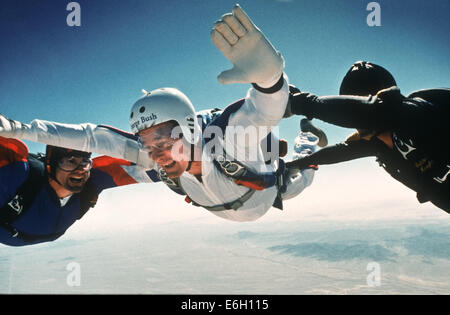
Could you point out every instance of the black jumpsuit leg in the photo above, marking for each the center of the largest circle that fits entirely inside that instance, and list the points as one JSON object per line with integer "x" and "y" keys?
{"x": 344, "y": 111}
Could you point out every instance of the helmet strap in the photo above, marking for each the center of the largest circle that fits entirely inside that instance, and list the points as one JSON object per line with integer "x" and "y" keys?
{"x": 51, "y": 171}
{"x": 189, "y": 166}
{"x": 53, "y": 177}
{"x": 192, "y": 157}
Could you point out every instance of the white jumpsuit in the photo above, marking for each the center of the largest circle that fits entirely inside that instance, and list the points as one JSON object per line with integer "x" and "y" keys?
{"x": 258, "y": 110}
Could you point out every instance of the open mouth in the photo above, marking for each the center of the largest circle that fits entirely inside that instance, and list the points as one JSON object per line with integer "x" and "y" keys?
{"x": 76, "y": 180}
{"x": 170, "y": 165}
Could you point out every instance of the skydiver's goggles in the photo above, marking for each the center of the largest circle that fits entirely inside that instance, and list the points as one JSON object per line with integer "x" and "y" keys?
{"x": 72, "y": 163}
{"x": 167, "y": 144}
{"x": 162, "y": 138}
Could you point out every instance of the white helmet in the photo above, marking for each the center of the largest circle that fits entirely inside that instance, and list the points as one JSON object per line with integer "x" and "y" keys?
{"x": 164, "y": 105}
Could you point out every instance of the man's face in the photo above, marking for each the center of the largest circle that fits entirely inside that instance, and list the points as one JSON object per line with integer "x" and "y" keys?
{"x": 165, "y": 150}
{"x": 73, "y": 172}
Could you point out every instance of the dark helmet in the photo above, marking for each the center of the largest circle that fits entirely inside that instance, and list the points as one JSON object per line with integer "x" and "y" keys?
{"x": 54, "y": 154}
{"x": 365, "y": 78}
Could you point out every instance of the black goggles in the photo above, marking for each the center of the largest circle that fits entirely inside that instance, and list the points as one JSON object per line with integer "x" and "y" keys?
{"x": 72, "y": 163}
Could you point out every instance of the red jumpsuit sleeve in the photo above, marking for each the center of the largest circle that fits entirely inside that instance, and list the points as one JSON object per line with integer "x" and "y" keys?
{"x": 12, "y": 150}
{"x": 114, "y": 168}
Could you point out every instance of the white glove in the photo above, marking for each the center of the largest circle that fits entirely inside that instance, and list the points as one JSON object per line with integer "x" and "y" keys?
{"x": 11, "y": 128}
{"x": 254, "y": 58}
{"x": 305, "y": 144}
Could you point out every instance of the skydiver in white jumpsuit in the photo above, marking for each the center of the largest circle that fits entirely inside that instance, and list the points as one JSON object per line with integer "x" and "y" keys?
{"x": 171, "y": 138}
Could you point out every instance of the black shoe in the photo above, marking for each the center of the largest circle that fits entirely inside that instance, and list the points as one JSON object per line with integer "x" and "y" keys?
{"x": 307, "y": 126}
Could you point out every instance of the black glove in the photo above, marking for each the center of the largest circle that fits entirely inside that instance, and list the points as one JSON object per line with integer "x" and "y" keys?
{"x": 292, "y": 90}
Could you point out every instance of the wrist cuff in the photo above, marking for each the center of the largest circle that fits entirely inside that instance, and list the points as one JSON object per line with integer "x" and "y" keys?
{"x": 275, "y": 88}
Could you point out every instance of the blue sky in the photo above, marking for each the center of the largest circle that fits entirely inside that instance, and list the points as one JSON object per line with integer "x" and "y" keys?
{"x": 95, "y": 72}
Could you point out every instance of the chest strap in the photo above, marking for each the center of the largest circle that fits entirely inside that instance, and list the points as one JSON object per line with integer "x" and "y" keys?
{"x": 243, "y": 176}
{"x": 175, "y": 185}
{"x": 234, "y": 205}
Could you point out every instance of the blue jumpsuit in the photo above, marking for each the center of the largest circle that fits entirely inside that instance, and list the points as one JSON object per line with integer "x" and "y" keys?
{"x": 46, "y": 216}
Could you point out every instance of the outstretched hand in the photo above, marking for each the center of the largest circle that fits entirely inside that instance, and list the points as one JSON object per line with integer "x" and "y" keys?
{"x": 254, "y": 58}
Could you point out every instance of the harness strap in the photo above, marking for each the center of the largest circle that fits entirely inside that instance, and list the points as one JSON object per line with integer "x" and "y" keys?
{"x": 175, "y": 185}
{"x": 243, "y": 176}
{"x": 88, "y": 198}
{"x": 234, "y": 205}
{"x": 25, "y": 195}
{"x": 30, "y": 238}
